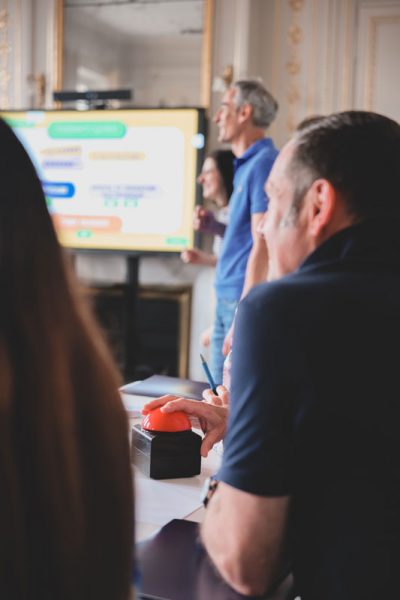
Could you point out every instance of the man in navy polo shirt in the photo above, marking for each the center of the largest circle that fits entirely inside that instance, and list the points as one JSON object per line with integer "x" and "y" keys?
{"x": 246, "y": 110}
{"x": 310, "y": 470}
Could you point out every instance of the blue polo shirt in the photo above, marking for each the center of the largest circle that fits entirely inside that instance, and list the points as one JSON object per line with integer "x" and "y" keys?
{"x": 248, "y": 197}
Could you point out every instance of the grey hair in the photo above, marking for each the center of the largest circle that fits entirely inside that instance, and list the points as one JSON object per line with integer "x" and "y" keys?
{"x": 264, "y": 105}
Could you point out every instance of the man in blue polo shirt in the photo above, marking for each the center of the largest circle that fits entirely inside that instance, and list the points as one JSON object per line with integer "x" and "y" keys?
{"x": 246, "y": 110}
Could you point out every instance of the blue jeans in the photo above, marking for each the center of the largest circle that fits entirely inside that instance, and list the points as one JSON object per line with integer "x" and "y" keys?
{"x": 224, "y": 315}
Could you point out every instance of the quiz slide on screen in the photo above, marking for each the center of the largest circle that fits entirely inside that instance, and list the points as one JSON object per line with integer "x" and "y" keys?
{"x": 116, "y": 179}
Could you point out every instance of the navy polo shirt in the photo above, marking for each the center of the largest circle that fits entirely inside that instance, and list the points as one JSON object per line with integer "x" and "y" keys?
{"x": 248, "y": 197}
{"x": 315, "y": 411}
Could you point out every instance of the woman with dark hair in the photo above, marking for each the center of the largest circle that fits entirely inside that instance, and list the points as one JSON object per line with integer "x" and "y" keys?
{"x": 66, "y": 505}
{"x": 224, "y": 163}
{"x": 216, "y": 179}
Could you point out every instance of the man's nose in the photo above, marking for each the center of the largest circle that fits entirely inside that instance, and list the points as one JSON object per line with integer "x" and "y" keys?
{"x": 216, "y": 117}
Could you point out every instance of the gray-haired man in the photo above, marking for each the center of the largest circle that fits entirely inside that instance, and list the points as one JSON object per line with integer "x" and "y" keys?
{"x": 246, "y": 110}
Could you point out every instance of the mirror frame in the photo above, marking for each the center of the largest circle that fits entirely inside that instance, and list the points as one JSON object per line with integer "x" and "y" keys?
{"x": 59, "y": 45}
{"x": 206, "y": 57}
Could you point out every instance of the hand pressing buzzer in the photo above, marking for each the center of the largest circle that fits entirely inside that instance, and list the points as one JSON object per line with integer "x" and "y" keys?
{"x": 212, "y": 418}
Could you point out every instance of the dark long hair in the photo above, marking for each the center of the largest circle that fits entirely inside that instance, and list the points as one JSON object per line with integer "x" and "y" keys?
{"x": 66, "y": 507}
{"x": 224, "y": 161}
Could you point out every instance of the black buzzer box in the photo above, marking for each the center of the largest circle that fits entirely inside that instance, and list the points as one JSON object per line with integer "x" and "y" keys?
{"x": 166, "y": 455}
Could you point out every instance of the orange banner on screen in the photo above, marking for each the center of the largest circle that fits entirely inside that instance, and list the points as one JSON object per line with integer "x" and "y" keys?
{"x": 98, "y": 224}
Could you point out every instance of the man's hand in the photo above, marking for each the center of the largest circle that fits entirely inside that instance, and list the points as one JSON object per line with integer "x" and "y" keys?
{"x": 221, "y": 400}
{"x": 205, "y": 222}
{"x": 227, "y": 345}
{"x": 195, "y": 256}
{"x": 205, "y": 337}
{"x": 257, "y": 263}
{"x": 212, "y": 418}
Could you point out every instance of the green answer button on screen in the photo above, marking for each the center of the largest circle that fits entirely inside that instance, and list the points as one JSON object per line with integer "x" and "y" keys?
{"x": 177, "y": 241}
{"x": 87, "y": 130}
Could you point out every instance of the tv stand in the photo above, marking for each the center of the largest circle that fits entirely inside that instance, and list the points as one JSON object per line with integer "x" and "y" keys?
{"x": 130, "y": 300}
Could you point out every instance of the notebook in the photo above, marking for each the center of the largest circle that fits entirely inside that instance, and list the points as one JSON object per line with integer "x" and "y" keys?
{"x": 159, "y": 385}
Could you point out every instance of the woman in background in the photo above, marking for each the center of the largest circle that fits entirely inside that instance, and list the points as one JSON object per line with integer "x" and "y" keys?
{"x": 216, "y": 179}
{"x": 66, "y": 506}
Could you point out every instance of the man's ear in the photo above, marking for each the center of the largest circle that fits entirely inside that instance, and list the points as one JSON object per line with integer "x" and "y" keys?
{"x": 245, "y": 112}
{"x": 323, "y": 200}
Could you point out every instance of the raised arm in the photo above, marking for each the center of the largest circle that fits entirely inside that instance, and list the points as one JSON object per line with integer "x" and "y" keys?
{"x": 256, "y": 269}
{"x": 257, "y": 264}
{"x": 195, "y": 256}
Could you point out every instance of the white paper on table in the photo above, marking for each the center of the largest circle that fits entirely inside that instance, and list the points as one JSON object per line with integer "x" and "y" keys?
{"x": 134, "y": 404}
{"x": 219, "y": 448}
{"x": 159, "y": 501}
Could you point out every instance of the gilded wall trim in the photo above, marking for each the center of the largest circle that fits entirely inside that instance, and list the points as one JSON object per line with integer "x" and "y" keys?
{"x": 58, "y": 64}
{"x": 312, "y": 60}
{"x": 17, "y": 67}
{"x": 206, "y": 60}
{"x": 373, "y": 23}
{"x": 293, "y": 65}
{"x": 276, "y": 66}
{"x": 345, "y": 100}
{"x": 5, "y": 52}
{"x": 276, "y": 47}
{"x": 327, "y": 103}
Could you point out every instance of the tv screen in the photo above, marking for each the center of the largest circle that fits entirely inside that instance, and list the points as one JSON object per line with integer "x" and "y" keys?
{"x": 117, "y": 180}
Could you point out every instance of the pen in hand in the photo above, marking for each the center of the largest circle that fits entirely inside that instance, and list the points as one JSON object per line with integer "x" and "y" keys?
{"x": 208, "y": 375}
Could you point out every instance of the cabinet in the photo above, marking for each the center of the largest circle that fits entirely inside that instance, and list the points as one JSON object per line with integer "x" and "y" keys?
{"x": 148, "y": 333}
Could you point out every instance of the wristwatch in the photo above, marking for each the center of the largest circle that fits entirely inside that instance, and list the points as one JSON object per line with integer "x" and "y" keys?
{"x": 209, "y": 487}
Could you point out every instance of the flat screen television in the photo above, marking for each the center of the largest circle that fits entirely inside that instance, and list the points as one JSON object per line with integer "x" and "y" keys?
{"x": 117, "y": 180}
